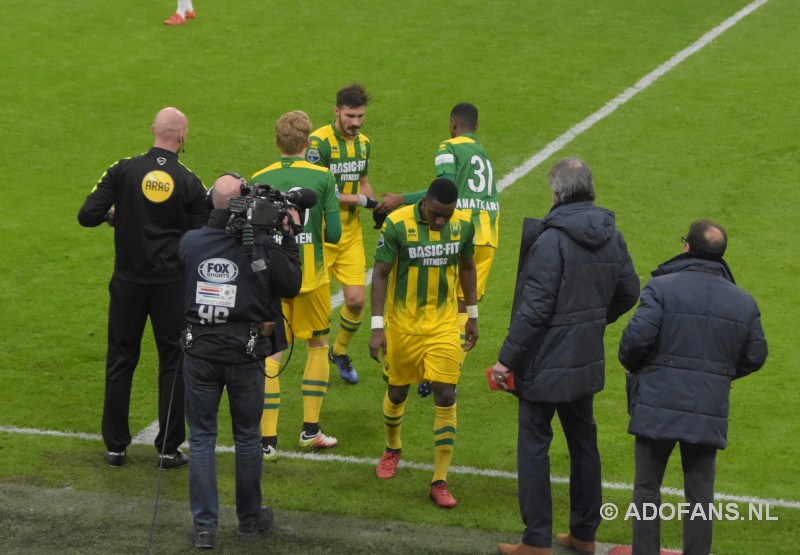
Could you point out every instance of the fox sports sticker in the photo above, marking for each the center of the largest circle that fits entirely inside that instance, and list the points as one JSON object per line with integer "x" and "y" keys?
{"x": 218, "y": 270}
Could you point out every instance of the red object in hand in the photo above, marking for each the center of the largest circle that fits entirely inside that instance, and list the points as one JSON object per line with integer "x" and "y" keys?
{"x": 494, "y": 386}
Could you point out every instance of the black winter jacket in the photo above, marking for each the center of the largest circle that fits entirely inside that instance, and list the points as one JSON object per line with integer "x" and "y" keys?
{"x": 575, "y": 278}
{"x": 693, "y": 332}
{"x": 156, "y": 200}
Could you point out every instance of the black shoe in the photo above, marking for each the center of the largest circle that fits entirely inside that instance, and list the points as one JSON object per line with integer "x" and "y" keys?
{"x": 115, "y": 459}
{"x": 203, "y": 538}
{"x": 259, "y": 526}
{"x": 168, "y": 462}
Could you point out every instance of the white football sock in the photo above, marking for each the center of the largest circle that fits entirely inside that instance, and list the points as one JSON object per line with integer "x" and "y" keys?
{"x": 185, "y": 6}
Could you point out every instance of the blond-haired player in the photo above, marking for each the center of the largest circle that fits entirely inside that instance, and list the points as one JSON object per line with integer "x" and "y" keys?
{"x": 308, "y": 314}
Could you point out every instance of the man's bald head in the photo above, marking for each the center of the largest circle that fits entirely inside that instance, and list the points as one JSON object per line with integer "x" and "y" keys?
{"x": 707, "y": 237}
{"x": 170, "y": 128}
{"x": 226, "y": 187}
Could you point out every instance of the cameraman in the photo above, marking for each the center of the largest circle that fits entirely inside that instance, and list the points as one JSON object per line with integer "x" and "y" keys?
{"x": 232, "y": 308}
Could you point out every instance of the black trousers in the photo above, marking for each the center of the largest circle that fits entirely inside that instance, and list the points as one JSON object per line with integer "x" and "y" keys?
{"x": 129, "y": 307}
{"x": 699, "y": 472}
{"x": 533, "y": 467}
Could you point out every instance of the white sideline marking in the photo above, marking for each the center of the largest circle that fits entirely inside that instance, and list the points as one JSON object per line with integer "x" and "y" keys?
{"x": 529, "y": 164}
{"x": 469, "y": 470}
{"x": 147, "y": 435}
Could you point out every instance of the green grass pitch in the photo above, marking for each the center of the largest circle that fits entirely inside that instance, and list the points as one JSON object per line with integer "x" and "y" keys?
{"x": 714, "y": 137}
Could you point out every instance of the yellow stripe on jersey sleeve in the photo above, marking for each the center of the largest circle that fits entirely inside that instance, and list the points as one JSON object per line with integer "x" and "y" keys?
{"x": 271, "y": 167}
{"x": 461, "y": 139}
{"x": 309, "y": 269}
{"x": 325, "y": 133}
{"x": 308, "y": 166}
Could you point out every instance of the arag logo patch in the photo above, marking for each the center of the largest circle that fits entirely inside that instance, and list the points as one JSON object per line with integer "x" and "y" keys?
{"x": 157, "y": 186}
{"x": 218, "y": 270}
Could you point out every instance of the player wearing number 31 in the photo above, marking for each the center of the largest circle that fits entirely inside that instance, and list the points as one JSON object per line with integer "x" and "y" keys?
{"x": 463, "y": 160}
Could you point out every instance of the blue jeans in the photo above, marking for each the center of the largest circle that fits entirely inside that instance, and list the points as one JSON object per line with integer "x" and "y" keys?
{"x": 204, "y": 383}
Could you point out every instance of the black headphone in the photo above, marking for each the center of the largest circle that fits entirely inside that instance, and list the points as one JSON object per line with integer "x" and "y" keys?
{"x": 244, "y": 188}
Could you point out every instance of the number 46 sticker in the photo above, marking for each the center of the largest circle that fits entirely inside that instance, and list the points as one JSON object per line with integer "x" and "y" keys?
{"x": 213, "y": 314}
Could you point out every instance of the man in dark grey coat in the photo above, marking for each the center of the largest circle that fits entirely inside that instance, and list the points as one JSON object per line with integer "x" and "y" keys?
{"x": 576, "y": 276}
{"x": 693, "y": 333}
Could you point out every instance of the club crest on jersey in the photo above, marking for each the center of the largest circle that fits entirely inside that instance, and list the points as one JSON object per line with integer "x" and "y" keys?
{"x": 218, "y": 270}
{"x": 312, "y": 155}
{"x": 363, "y": 150}
{"x": 161, "y": 160}
{"x": 455, "y": 230}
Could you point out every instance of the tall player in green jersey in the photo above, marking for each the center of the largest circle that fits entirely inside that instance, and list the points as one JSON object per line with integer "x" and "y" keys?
{"x": 343, "y": 149}
{"x": 463, "y": 159}
{"x": 309, "y": 314}
{"x": 422, "y": 249}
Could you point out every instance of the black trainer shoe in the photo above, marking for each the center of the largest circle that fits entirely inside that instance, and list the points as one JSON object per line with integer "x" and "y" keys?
{"x": 168, "y": 462}
{"x": 345, "y": 366}
{"x": 203, "y": 538}
{"x": 115, "y": 459}
{"x": 259, "y": 526}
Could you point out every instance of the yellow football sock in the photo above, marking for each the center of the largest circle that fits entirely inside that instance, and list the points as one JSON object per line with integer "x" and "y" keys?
{"x": 272, "y": 400}
{"x": 315, "y": 383}
{"x": 444, "y": 439}
{"x": 392, "y": 422}
{"x": 348, "y": 326}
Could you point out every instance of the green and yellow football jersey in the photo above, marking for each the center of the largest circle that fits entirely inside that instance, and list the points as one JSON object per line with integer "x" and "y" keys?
{"x": 293, "y": 173}
{"x": 421, "y": 292}
{"x": 347, "y": 159}
{"x": 466, "y": 159}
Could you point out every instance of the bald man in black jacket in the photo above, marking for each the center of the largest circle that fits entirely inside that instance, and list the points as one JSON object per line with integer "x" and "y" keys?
{"x": 151, "y": 200}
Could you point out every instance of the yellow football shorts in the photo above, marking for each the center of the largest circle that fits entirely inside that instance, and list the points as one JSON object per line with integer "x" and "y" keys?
{"x": 346, "y": 260}
{"x": 308, "y": 313}
{"x": 484, "y": 257}
{"x": 416, "y": 358}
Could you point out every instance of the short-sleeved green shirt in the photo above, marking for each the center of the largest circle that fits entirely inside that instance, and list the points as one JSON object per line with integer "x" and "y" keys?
{"x": 293, "y": 173}
{"x": 347, "y": 159}
{"x": 421, "y": 292}
{"x": 466, "y": 159}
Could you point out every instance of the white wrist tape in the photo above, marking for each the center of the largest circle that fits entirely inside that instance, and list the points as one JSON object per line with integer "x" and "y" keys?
{"x": 377, "y": 322}
{"x": 472, "y": 311}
